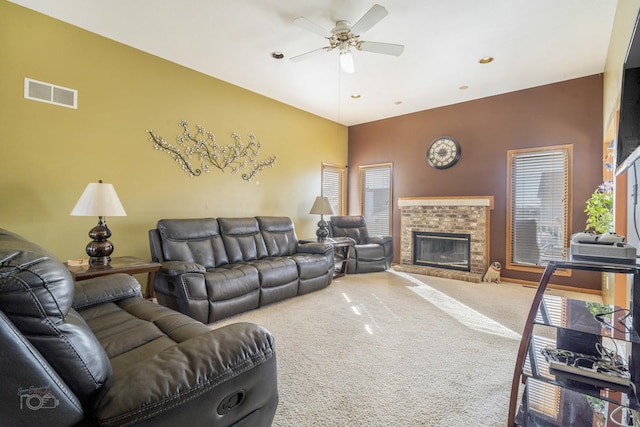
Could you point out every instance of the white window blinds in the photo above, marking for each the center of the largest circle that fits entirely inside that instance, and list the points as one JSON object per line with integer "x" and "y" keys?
{"x": 539, "y": 205}
{"x": 333, "y": 187}
{"x": 376, "y": 199}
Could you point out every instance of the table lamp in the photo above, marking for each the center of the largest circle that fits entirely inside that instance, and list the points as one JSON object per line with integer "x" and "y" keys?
{"x": 99, "y": 199}
{"x": 322, "y": 207}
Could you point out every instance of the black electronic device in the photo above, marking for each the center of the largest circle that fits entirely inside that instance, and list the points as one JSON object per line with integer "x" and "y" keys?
{"x": 628, "y": 143}
{"x": 591, "y": 369}
{"x": 628, "y": 147}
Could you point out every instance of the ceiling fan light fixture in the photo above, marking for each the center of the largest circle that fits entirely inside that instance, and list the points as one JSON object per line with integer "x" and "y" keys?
{"x": 346, "y": 61}
{"x": 342, "y": 27}
{"x": 345, "y": 37}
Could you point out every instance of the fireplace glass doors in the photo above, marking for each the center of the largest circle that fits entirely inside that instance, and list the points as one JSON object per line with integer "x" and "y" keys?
{"x": 442, "y": 250}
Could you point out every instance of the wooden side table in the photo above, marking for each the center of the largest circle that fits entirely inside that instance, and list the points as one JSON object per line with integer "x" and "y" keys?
{"x": 338, "y": 242}
{"x": 125, "y": 264}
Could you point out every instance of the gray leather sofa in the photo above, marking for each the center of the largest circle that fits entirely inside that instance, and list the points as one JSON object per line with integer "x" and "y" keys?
{"x": 215, "y": 268}
{"x": 97, "y": 353}
{"x": 370, "y": 253}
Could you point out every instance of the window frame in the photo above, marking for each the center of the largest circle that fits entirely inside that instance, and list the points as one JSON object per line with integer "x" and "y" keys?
{"x": 568, "y": 208}
{"x": 341, "y": 171}
{"x": 361, "y": 173}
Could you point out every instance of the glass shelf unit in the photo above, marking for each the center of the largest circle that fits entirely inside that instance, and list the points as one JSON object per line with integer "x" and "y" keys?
{"x": 537, "y": 367}
{"x": 545, "y": 405}
{"x": 579, "y": 315}
{"x": 577, "y": 326}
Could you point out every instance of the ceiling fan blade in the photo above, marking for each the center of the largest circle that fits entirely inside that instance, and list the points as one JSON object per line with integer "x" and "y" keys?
{"x": 307, "y": 55}
{"x": 369, "y": 19}
{"x": 385, "y": 48}
{"x": 303, "y": 22}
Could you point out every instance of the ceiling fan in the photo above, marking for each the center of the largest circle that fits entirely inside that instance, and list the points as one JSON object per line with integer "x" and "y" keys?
{"x": 344, "y": 37}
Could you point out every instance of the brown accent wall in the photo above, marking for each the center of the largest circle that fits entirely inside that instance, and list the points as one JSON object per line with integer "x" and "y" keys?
{"x": 568, "y": 112}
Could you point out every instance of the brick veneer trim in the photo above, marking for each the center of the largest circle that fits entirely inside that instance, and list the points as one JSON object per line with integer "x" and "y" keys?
{"x": 437, "y": 216}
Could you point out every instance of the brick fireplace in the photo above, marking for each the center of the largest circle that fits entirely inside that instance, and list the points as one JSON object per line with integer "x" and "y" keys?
{"x": 446, "y": 215}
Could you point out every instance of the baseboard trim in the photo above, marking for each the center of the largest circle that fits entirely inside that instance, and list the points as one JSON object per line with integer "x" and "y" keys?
{"x": 597, "y": 292}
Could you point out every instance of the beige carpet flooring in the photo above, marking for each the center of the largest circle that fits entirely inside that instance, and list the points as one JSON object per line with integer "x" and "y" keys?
{"x": 396, "y": 349}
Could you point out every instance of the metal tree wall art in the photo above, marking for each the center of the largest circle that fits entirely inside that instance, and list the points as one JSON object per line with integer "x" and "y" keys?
{"x": 202, "y": 145}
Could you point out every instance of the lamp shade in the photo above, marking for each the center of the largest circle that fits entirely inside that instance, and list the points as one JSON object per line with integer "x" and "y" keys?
{"x": 321, "y": 206}
{"x": 99, "y": 199}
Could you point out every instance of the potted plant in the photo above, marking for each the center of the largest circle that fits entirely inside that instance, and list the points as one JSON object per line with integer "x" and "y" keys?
{"x": 599, "y": 209}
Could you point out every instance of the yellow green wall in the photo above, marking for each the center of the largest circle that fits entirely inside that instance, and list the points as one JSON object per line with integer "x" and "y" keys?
{"x": 50, "y": 153}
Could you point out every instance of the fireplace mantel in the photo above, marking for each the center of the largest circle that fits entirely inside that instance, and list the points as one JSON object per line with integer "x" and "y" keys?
{"x": 446, "y": 201}
{"x": 456, "y": 214}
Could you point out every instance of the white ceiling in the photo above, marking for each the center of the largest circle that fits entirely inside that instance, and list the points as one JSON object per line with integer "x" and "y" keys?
{"x": 534, "y": 42}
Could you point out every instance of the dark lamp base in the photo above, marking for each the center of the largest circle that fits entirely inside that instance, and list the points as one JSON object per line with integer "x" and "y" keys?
{"x": 322, "y": 232}
{"x": 100, "y": 260}
{"x": 100, "y": 249}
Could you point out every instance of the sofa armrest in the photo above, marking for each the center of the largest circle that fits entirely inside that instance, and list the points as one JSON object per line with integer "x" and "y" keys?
{"x": 314, "y": 248}
{"x": 176, "y": 268}
{"x": 387, "y": 243}
{"x": 102, "y": 289}
{"x": 29, "y": 384}
{"x": 216, "y": 378}
{"x": 380, "y": 240}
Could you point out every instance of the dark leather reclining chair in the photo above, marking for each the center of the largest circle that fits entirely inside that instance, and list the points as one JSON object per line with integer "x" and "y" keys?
{"x": 370, "y": 253}
{"x": 99, "y": 354}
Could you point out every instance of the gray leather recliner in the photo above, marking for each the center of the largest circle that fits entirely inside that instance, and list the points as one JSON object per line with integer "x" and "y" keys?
{"x": 370, "y": 253}
{"x": 96, "y": 353}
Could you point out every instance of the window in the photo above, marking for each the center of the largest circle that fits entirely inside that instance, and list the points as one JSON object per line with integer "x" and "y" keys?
{"x": 333, "y": 187}
{"x": 538, "y": 206}
{"x": 375, "y": 198}
{"x": 542, "y": 398}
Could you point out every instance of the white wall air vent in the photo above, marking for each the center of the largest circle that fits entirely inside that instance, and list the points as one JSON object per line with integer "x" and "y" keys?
{"x": 49, "y": 93}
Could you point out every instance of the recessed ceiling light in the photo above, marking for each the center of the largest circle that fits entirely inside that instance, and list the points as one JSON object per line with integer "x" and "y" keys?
{"x": 486, "y": 60}
{"x": 355, "y": 96}
{"x": 277, "y": 55}
{"x": 398, "y": 102}
{"x": 463, "y": 87}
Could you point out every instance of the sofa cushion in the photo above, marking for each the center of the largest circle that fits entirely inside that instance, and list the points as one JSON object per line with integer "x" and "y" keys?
{"x": 132, "y": 330}
{"x": 231, "y": 289}
{"x": 36, "y": 292}
{"x": 275, "y": 271}
{"x": 313, "y": 265}
{"x": 242, "y": 239}
{"x": 231, "y": 281}
{"x": 278, "y": 279}
{"x": 279, "y": 235}
{"x": 193, "y": 240}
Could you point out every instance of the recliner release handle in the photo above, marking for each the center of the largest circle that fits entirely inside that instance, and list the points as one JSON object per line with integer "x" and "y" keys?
{"x": 230, "y": 402}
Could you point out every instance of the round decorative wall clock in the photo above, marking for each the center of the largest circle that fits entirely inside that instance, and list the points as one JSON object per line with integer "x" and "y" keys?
{"x": 443, "y": 152}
